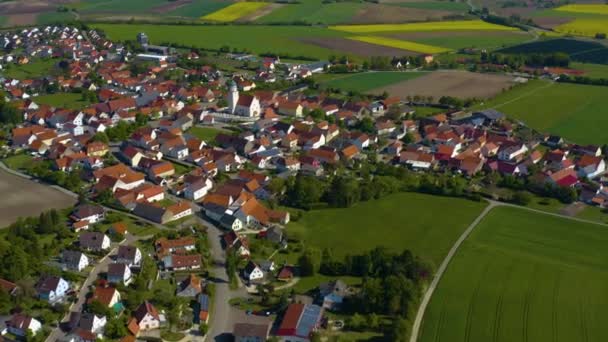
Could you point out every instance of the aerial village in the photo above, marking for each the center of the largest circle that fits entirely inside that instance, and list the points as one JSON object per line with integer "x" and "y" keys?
{"x": 179, "y": 146}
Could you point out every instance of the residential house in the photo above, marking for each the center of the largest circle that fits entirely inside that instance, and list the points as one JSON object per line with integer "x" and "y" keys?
{"x": 52, "y": 288}
{"x": 591, "y": 166}
{"x": 10, "y": 287}
{"x": 89, "y": 213}
{"x": 196, "y": 190}
{"x": 119, "y": 274}
{"x": 107, "y": 296}
{"x": 299, "y": 322}
{"x": 129, "y": 255}
{"x": 21, "y": 324}
{"x": 74, "y": 260}
{"x": 184, "y": 244}
{"x": 190, "y": 287}
{"x": 251, "y": 332}
{"x": 203, "y": 308}
{"x": 146, "y": 317}
{"x": 252, "y": 272}
{"x": 94, "y": 241}
{"x": 179, "y": 262}
{"x": 332, "y": 294}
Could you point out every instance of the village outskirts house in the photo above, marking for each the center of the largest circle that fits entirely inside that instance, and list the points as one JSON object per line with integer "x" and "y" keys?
{"x": 251, "y": 332}
{"x": 52, "y": 289}
{"x": 129, "y": 255}
{"x": 74, "y": 260}
{"x": 20, "y": 324}
{"x": 94, "y": 241}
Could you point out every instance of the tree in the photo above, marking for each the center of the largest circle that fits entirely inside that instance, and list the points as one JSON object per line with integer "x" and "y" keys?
{"x": 5, "y": 302}
{"x": 203, "y": 328}
{"x": 99, "y": 309}
{"x": 399, "y": 330}
{"x": 522, "y": 198}
{"x": 344, "y": 192}
{"x": 116, "y": 328}
{"x": 304, "y": 191}
{"x": 366, "y": 125}
{"x": 306, "y": 264}
{"x": 356, "y": 322}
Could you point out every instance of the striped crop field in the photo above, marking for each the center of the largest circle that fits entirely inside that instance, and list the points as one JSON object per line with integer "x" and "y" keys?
{"x": 400, "y": 44}
{"x": 585, "y": 8}
{"x": 462, "y": 25}
{"x": 235, "y": 11}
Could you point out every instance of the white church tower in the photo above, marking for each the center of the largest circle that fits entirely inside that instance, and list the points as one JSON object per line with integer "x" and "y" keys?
{"x": 233, "y": 97}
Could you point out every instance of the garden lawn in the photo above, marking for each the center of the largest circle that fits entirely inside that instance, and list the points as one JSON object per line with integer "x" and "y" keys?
{"x": 427, "y": 225}
{"x": 207, "y": 134}
{"x": 19, "y": 162}
{"x": 62, "y": 100}
{"x": 523, "y": 276}
{"x": 34, "y": 69}
{"x": 235, "y": 11}
{"x": 362, "y": 82}
{"x": 252, "y": 37}
{"x": 576, "y": 112}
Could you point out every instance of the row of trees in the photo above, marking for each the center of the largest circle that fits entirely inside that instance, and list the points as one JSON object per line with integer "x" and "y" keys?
{"x": 8, "y": 113}
{"x": 557, "y": 59}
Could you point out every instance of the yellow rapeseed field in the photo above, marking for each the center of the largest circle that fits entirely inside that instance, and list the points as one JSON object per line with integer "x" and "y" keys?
{"x": 584, "y": 27}
{"x": 235, "y": 11}
{"x": 462, "y": 25}
{"x": 400, "y": 44}
{"x": 588, "y": 8}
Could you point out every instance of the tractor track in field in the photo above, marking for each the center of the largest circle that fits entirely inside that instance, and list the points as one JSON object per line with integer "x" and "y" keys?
{"x": 440, "y": 323}
{"x": 554, "y": 306}
{"x": 527, "y": 299}
{"x": 498, "y": 310}
{"x": 469, "y": 323}
{"x": 583, "y": 318}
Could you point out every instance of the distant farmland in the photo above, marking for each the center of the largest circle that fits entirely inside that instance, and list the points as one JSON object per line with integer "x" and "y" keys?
{"x": 523, "y": 276}
{"x": 22, "y": 198}
{"x": 364, "y": 82}
{"x": 576, "y": 112}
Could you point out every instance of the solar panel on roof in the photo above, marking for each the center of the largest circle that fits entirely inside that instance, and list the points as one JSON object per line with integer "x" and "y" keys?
{"x": 308, "y": 320}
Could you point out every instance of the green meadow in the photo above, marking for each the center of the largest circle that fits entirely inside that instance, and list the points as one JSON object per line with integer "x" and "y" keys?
{"x": 523, "y": 276}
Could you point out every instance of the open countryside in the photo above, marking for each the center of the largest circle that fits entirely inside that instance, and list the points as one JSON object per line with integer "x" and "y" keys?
{"x": 523, "y": 276}
{"x": 577, "y": 112}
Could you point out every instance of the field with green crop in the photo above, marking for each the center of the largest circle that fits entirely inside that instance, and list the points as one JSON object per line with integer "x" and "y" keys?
{"x": 434, "y": 5}
{"x": 592, "y": 70}
{"x": 523, "y": 276}
{"x": 254, "y": 38}
{"x": 119, "y": 6}
{"x": 400, "y": 221}
{"x": 576, "y": 112}
{"x": 235, "y": 11}
{"x": 313, "y": 11}
{"x": 464, "y": 25}
{"x": 199, "y": 8}
{"x": 62, "y": 100}
{"x": 579, "y": 50}
{"x": 363, "y": 82}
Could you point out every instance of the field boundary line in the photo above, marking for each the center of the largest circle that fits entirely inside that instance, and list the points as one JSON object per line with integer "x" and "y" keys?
{"x": 524, "y": 95}
{"x": 441, "y": 270}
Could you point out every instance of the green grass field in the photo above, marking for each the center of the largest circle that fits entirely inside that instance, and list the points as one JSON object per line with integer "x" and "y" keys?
{"x": 397, "y": 222}
{"x": 254, "y": 38}
{"x": 34, "y": 69}
{"x": 460, "y": 25}
{"x": 62, "y": 100}
{"x": 363, "y": 82}
{"x": 592, "y": 70}
{"x": 199, "y": 8}
{"x": 206, "y": 134}
{"x": 523, "y": 276}
{"x": 313, "y": 12}
{"x": 434, "y": 5}
{"x": 119, "y": 6}
{"x": 576, "y": 112}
